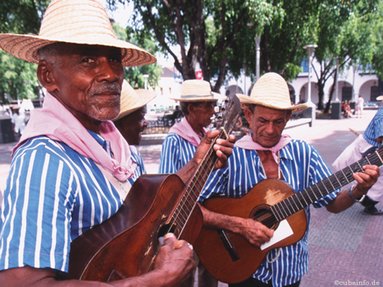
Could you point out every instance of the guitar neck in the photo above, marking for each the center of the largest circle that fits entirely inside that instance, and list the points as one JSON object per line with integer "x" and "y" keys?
{"x": 300, "y": 200}
{"x": 193, "y": 189}
{"x": 189, "y": 200}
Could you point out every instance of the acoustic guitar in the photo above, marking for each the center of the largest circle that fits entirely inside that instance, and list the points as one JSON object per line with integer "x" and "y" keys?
{"x": 229, "y": 257}
{"x": 126, "y": 244}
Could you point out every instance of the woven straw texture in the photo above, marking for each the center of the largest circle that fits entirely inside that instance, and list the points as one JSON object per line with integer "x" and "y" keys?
{"x": 73, "y": 21}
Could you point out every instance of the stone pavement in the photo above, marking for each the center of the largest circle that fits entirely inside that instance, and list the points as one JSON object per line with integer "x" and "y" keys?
{"x": 346, "y": 248}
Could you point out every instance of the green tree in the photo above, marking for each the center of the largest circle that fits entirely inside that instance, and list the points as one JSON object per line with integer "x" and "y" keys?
{"x": 136, "y": 75}
{"x": 18, "y": 78}
{"x": 344, "y": 34}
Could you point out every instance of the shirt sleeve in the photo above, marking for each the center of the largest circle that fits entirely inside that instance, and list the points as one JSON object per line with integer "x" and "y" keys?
{"x": 35, "y": 218}
{"x": 170, "y": 155}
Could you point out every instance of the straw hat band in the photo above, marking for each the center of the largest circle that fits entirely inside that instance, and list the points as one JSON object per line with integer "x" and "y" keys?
{"x": 199, "y": 95}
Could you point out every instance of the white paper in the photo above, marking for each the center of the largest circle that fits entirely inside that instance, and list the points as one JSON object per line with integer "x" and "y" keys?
{"x": 283, "y": 231}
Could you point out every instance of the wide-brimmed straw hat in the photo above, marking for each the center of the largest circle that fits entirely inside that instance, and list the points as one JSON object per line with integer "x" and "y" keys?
{"x": 84, "y": 22}
{"x": 271, "y": 91}
{"x": 380, "y": 98}
{"x": 197, "y": 91}
{"x": 132, "y": 100}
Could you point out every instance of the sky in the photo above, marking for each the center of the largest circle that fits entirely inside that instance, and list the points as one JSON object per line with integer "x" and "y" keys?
{"x": 122, "y": 15}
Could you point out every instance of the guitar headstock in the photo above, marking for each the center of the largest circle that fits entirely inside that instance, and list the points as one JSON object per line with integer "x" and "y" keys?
{"x": 231, "y": 115}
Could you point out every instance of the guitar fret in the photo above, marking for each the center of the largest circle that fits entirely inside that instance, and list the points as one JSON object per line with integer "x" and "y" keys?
{"x": 278, "y": 211}
{"x": 332, "y": 186}
{"x": 324, "y": 185}
{"x": 296, "y": 206}
{"x": 302, "y": 195}
{"x": 281, "y": 209}
{"x": 313, "y": 192}
{"x": 380, "y": 158}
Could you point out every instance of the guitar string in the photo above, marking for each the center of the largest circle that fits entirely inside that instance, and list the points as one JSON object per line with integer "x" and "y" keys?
{"x": 342, "y": 178}
{"x": 179, "y": 218}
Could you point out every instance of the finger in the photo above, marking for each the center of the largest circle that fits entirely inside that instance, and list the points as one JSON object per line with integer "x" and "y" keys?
{"x": 178, "y": 244}
{"x": 168, "y": 238}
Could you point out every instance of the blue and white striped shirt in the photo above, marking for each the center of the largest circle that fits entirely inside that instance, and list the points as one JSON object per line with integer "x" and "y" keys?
{"x": 301, "y": 166}
{"x": 176, "y": 153}
{"x": 374, "y": 129}
{"x": 53, "y": 195}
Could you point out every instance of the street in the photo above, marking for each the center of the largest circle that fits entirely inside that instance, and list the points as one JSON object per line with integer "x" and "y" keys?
{"x": 345, "y": 249}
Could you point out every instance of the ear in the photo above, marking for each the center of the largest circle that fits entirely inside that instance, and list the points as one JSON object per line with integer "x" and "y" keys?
{"x": 46, "y": 77}
{"x": 247, "y": 113}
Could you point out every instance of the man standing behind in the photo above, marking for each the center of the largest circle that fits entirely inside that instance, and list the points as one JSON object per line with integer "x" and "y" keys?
{"x": 131, "y": 120}
{"x": 365, "y": 143}
{"x": 197, "y": 103}
{"x": 267, "y": 154}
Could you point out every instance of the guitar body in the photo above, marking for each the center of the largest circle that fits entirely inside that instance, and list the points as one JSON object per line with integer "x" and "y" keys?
{"x": 127, "y": 243}
{"x": 255, "y": 204}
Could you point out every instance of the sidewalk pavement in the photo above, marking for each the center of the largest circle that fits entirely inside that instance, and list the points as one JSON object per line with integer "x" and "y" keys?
{"x": 345, "y": 249}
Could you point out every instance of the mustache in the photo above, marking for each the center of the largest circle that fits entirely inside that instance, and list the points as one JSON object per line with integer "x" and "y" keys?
{"x": 105, "y": 88}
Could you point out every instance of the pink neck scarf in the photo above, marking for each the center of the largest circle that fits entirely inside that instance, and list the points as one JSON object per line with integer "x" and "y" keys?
{"x": 57, "y": 123}
{"x": 247, "y": 142}
{"x": 185, "y": 131}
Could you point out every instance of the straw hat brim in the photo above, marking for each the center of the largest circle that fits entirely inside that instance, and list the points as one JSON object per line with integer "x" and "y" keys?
{"x": 380, "y": 98}
{"x": 136, "y": 100}
{"x": 25, "y": 47}
{"x": 244, "y": 99}
{"x": 193, "y": 98}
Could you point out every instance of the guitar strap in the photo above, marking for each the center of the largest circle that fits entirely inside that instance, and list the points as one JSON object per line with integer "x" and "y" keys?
{"x": 122, "y": 188}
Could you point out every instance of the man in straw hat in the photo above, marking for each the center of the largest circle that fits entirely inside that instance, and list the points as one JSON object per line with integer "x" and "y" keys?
{"x": 131, "y": 119}
{"x": 197, "y": 103}
{"x": 72, "y": 169}
{"x": 366, "y": 143}
{"x": 268, "y": 154}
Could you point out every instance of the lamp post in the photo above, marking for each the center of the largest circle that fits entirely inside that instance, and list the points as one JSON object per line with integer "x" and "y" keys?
{"x": 310, "y": 52}
{"x": 337, "y": 82}
{"x": 257, "y": 56}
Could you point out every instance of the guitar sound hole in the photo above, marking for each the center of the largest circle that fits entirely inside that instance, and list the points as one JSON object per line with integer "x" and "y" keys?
{"x": 166, "y": 228}
{"x": 264, "y": 215}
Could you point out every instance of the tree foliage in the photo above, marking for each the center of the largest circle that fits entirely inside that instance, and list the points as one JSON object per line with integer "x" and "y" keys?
{"x": 344, "y": 34}
{"x": 220, "y": 35}
{"x": 18, "y": 78}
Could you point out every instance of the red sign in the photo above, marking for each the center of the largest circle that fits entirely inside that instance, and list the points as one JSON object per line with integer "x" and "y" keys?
{"x": 199, "y": 75}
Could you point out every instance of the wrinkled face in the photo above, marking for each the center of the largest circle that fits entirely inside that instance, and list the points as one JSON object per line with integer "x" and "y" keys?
{"x": 132, "y": 125}
{"x": 266, "y": 124}
{"x": 85, "y": 79}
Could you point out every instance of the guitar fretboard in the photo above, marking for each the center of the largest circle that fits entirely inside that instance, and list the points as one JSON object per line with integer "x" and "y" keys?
{"x": 189, "y": 200}
{"x": 300, "y": 200}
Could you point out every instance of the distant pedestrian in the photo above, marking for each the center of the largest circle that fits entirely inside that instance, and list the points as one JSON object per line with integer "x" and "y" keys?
{"x": 364, "y": 144}
{"x": 359, "y": 107}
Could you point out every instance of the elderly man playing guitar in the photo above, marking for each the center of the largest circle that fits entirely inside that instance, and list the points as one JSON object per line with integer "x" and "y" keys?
{"x": 269, "y": 160}
{"x": 72, "y": 169}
